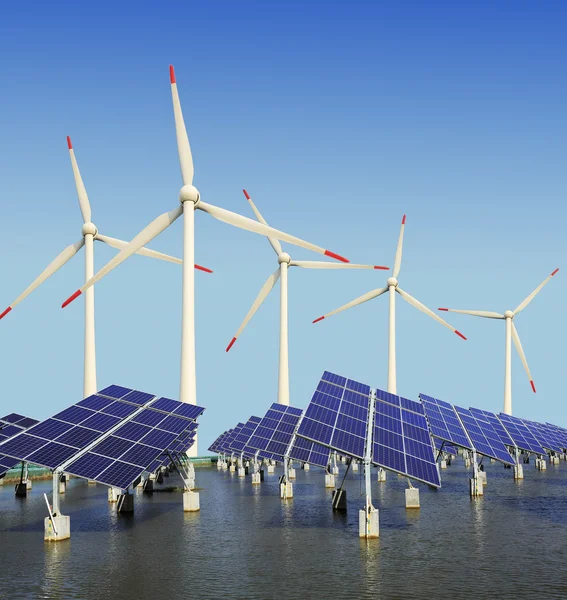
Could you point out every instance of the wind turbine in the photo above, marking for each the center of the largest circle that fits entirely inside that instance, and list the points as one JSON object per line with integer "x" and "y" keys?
{"x": 89, "y": 234}
{"x": 511, "y": 334}
{"x": 285, "y": 261}
{"x": 393, "y": 287}
{"x": 190, "y": 199}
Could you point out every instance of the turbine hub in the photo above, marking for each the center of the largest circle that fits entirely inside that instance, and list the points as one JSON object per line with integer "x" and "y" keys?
{"x": 89, "y": 228}
{"x": 392, "y": 281}
{"x": 509, "y": 314}
{"x": 284, "y": 257}
{"x": 189, "y": 193}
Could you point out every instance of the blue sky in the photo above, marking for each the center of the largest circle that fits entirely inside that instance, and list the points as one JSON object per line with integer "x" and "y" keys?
{"x": 338, "y": 119}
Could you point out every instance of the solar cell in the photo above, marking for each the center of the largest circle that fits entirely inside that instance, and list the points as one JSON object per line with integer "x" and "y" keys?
{"x": 337, "y": 416}
{"x": 401, "y": 440}
{"x": 443, "y": 422}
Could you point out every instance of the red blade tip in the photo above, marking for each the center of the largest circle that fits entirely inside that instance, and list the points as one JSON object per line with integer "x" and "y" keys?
{"x": 71, "y": 298}
{"x": 460, "y": 334}
{"x": 554, "y": 272}
{"x": 171, "y": 73}
{"x": 319, "y": 319}
{"x": 404, "y": 220}
{"x": 382, "y": 268}
{"x": 246, "y": 194}
{"x": 445, "y": 309}
{"x": 533, "y": 386}
{"x": 200, "y": 268}
{"x": 5, "y": 312}
{"x": 336, "y": 256}
{"x": 231, "y": 344}
{"x": 69, "y": 143}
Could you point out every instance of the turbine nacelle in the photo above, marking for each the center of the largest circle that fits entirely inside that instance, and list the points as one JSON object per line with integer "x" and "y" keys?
{"x": 89, "y": 229}
{"x": 284, "y": 257}
{"x": 509, "y": 314}
{"x": 189, "y": 193}
{"x": 392, "y": 282}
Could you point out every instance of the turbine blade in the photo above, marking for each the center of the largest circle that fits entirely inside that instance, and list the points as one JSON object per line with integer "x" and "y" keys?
{"x": 183, "y": 147}
{"x": 81, "y": 190}
{"x": 256, "y": 227}
{"x": 355, "y": 302}
{"x": 53, "y": 267}
{"x": 319, "y": 264}
{"x": 520, "y": 350}
{"x": 275, "y": 243}
{"x": 262, "y": 295}
{"x": 475, "y": 313}
{"x": 417, "y": 304}
{"x": 120, "y": 245}
{"x": 398, "y": 259}
{"x": 144, "y": 237}
{"x": 523, "y": 304}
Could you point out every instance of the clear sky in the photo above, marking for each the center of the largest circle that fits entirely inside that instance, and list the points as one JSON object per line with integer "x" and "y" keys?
{"x": 338, "y": 118}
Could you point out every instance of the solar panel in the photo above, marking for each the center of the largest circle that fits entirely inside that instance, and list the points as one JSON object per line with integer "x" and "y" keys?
{"x": 561, "y": 434}
{"x": 544, "y": 435}
{"x": 273, "y": 434}
{"x": 521, "y": 435}
{"x": 214, "y": 446}
{"x": 337, "y": 416}
{"x": 310, "y": 452}
{"x": 496, "y": 424}
{"x": 485, "y": 439}
{"x": 401, "y": 439}
{"x": 443, "y": 446}
{"x": 240, "y": 440}
{"x": 10, "y": 426}
{"x": 443, "y": 422}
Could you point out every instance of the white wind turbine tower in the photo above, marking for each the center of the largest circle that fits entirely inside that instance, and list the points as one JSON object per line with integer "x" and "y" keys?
{"x": 511, "y": 334}
{"x": 285, "y": 261}
{"x": 190, "y": 200}
{"x": 393, "y": 287}
{"x": 89, "y": 234}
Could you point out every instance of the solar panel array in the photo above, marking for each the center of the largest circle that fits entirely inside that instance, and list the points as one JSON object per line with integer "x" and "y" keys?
{"x": 496, "y": 425}
{"x": 337, "y": 416}
{"x": 215, "y": 446}
{"x": 274, "y": 432}
{"x": 483, "y": 436}
{"x": 443, "y": 422}
{"x": 544, "y": 435}
{"x": 401, "y": 439}
{"x": 310, "y": 452}
{"x": 10, "y": 426}
{"x": 241, "y": 438}
{"x": 522, "y": 436}
{"x": 560, "y": 433}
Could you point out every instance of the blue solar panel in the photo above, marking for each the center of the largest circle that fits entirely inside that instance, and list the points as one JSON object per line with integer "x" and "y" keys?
{"x": 496, "y": 424}
{"x": 132, "y": 431}
{"x": 74, "y": 414}
{"x": 443, "y": 422}
{"x": 337, "y": 415}
{"x": 12, "y": 418}
{"x": 52, "y": 455}
{"x": 544, "y": 435}
{"x": 274, "y": 432}
{"x": 11, "y": 426}
{"x": 149, "y": 417}
{"x": 173, "y": 424}
{"x": 401, "y": 440}
{"x": 101, "y": 423}
{"x": 485, "y": 439}
{"x": 310, "y": 452}
{"x": 445, "y": 447}
{"x": 95, "y": 402}
{"x": 190, "y": 411}
{"x": 159, "y": 439}
{"x": 115, "y": 391}
{"x": 561, "y": 434}
{"x": 120, "y": 409}
{"x": 136, "y": 397}
{"x": 78, "y": 437}
{"x": 9, "y": 431}
{"x": 113, "y": 447}
{"x": 241, "y": 438}
{"x": 521, "y": 435}
{"x": 166, "y": 404}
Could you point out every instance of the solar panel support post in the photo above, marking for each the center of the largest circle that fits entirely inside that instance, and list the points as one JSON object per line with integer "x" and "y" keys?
{"x": 368, "y": 524}
{"x": 476, "y": 484}
{"x": 55, "y": 503}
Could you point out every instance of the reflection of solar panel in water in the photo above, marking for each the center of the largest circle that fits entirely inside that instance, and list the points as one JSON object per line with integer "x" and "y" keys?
{"x": 337, "y": 416}
{"x": 496, "y": 425}
{"x": 274, "y": 432}
{"x": 310, "y": 452}
{"x": 445, "y": 447}
{"x": 401, "y": 440}
{"x": 121, "y": 458}
{"x": 241, "y": 438}
{"x": 443, "y": 422}
{"x": 483, "y": 436}
{"x": 521, "y": 435}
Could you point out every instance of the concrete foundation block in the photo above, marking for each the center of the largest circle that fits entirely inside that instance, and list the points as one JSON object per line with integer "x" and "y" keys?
{"x": 329, "y": 480}
{"x": 191, "y": 502}
{"x": 476, "y": 487}
{"x": 519, "y": 471}
{"x": 443, "y": 464}
{"x": 335, "y": 470}
{"x": 339, "y": 500}
{"x": 256, "y": 478}
{"x": 286, "y": 490}
{"x": 241, "y": 472}
{"x": 381, "y": 475}
{"x": 149, "y": 486}
{"x": 125, "y": 503}
{"x": 541, "y": 465}
{"x": 291, "y": 473}
{"x": 482, "y": 477}
{"x": 29, "y": 485}
{"x": 354, "y": 466}
{"x": 271, "y": 469}
{"x": 232, "y": 468}
{"x": 219, "y": 464}
{"x": 21, "y": 490}
{"x": 2, "y": 481}
{"x": 113, "y": 494}
{"x": 412, "y": 498}
{"x": 306, "y": 467}
{"x": 368, "y": 524}
{"x": 62, "y": 487}
{"x": 62, "y": 525}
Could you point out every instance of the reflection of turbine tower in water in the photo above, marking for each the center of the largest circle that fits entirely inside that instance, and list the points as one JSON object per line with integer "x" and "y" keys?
{"x": 281, "y": 273}
{"x": 392, "y": 287}
{"x": 190, "y": 200}
{"x": 511, "y": 334}
{"x": 90, "y": 233}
